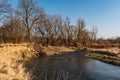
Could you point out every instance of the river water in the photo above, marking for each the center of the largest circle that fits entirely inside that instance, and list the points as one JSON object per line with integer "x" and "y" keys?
{"x": 72, "y": 66}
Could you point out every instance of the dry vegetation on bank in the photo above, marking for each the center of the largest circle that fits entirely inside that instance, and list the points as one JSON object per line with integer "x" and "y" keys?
{"x": 11, "y": 62}
{"x": 109, "y": 55}
{"x": 114, "y": 50}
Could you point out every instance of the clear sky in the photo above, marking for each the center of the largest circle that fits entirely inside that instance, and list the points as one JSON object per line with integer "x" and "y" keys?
{"x": 105, "y": 14}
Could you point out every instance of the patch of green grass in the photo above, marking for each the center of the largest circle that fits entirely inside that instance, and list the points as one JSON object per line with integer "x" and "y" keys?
{"x": 103, "y": 58}
{"x": 96, "y": 55}
{"x": 74, "y": 48}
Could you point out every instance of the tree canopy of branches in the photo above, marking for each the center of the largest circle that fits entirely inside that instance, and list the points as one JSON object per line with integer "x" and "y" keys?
{"x": 4, "y": 7}
{"x": 30, "y": 23}
{"x": 27, "y": 10}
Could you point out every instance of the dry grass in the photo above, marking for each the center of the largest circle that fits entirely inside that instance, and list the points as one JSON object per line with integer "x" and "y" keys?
{"x": 51, "y": 50}
{"x": 114, "y": 50}
{"x": 11, "y": 62}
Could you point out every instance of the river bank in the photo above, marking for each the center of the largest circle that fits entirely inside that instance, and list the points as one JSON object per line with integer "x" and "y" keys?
{"x": 109, "y": 55}
{"x": 13, "y": 57}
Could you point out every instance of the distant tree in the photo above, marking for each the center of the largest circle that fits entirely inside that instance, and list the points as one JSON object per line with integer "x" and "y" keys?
{"x": 13, "y": 30}
{"x": 56, "y": 22}
{"x": 67, "y": 26}
{"x": 4, "y": 11}
{"x": 94, "y": 33}
{"x": 80, "y": 28}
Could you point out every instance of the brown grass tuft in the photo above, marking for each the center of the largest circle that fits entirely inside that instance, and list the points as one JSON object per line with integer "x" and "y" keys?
{"x": 11, "y": 62}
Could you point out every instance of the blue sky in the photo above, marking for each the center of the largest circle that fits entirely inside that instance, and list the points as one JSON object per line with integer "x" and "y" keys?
{"x": 104, "y": 14}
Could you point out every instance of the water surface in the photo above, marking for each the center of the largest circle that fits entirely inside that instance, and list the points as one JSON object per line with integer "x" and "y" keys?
{"x": 74, "y": 66}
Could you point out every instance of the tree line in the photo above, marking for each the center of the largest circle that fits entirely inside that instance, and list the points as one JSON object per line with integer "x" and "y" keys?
{"x": 30, "y": 23}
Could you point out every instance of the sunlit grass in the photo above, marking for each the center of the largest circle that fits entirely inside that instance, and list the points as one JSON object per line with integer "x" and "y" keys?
{"x": 11, "y": 62}
{"x": 104, "y": 58}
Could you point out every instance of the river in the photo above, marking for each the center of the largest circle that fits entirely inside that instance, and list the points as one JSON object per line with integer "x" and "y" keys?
{"x": 72, "y": 66}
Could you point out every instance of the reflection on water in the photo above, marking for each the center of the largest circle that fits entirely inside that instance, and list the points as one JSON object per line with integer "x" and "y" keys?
{"x": 73, "y": 65}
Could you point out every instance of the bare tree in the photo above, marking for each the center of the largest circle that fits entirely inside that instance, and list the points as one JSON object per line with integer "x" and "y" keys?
{"x": 27, "y": 9}
{"x": 57, "y": 24}
{"x": 94, "y": 33}
{"x": 13, "y": 31}
{"x": 81, "y": 27}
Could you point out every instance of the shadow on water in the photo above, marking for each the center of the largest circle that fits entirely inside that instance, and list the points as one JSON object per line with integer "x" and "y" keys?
{"x": 72, "y": 66}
